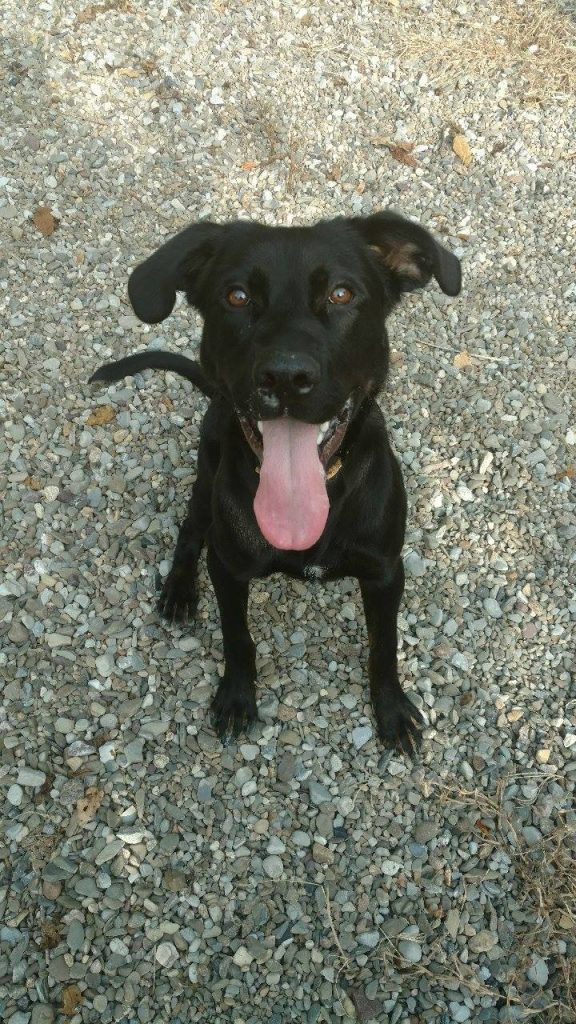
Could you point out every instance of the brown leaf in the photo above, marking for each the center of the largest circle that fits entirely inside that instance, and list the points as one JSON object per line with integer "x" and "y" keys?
{"x": 33, "y": 483}
{"x": 45, "y": 788}
{"x": 87, "y": 806}
{"x": 483, "y": 828}
{"x": 250, "y": 165}
{"x": 102, "y": 415}
{"x": 71, "y": 999}
{"x": 402, "y": 152}
{"x": 45, "y": 221}
{"x": 50, "y": 934}
{"x": 570, "y": 472}
{"x": 462, "y": 360}
{"x": 381, "y": 140}
{"x": 462, "y": 150}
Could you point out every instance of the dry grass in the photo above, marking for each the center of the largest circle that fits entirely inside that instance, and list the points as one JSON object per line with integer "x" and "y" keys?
{"x": 533, "y": 44}
{"x": 545, "y": 886}
{"x": 544, "y": 883}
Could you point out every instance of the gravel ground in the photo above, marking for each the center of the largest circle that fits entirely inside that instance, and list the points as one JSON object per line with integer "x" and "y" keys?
{"x": 303, "y": 874}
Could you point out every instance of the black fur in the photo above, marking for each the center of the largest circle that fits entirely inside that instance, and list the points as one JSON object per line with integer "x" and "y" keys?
{"x": 292, "y": 350}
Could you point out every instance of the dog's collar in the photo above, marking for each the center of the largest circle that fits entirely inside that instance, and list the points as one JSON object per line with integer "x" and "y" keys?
{"x": 334, "y": 468}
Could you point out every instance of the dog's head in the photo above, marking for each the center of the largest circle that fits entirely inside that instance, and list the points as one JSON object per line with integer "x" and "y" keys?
{"x": 294, "y": 329}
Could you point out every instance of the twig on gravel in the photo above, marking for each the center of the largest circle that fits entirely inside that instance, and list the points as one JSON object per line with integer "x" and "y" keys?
{"x": 473, "y": 355}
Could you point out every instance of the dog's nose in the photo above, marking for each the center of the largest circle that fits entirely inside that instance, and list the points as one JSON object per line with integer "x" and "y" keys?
{"x": 286, "y": 375}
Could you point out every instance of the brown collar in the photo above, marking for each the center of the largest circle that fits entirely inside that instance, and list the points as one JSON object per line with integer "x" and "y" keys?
{"x": 334, "y": 468}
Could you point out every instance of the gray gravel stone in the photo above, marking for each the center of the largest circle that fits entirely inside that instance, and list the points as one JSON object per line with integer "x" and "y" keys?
{"x": 538, "y": 972}
{"x": 412, "y": 951}
{"x": 273, "y": 866}
{"x": 75, "y": 936}
{"x": 30, "y": 777}
{"x": 282, "y": 113}
{"x": 492, "y": 608}
{"x": 109, "y": 851}
{"x": 482, "y": 941}
{"x": 42, "y": 1013}
{"x": 14, "y": 795}
{"x": 361, "y": 735}
{"x": 425, "y": 831}
{"x": 319, "y": 794}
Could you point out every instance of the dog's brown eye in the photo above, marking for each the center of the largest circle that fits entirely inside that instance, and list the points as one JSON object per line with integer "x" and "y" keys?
{"x": 237, "y": 297}
{"x": 340, "y": 296}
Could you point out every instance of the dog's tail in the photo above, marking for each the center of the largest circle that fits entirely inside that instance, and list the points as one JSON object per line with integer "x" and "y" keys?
{"x": 155, "y": 359}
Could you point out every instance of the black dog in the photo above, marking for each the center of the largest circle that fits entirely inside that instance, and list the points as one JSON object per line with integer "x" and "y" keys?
{"x": 295, "y": 470}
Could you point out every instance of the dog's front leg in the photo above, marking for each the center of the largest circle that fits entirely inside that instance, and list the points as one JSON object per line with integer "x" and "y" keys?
{"x": 234, "y": 705}
{"x": 399, "y": 722}
{"x": 179, "y": 596}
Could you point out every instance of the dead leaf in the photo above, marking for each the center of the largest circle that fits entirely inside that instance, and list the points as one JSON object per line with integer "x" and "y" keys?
{"x": 93, "y": 10}
{"x": 570, "y": 472}
{"x": 166, "y": 401}
{"x": 462, "y": 150}
{"x": 45, "y": 221}
{"x": 71, "y": 999}
{"x": 381, "y": 140}
{"x": 483, "y": 828}
{"x": 80, "y": 257}
{"x": 128, "y": 72}
{"x": 45, "y": 788}
{"x": 50, "y": 934}
{"x": 462, "y": 360}
{"x": 33, "y": 483}
{"x": 402, "y": 152}
{"x": 102, "y": 415}
{"x": 250, "y": 165}
{"x": 87, "y": 806}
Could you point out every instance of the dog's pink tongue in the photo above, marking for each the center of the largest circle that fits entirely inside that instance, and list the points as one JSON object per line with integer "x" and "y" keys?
{"x": 291, "y": 503}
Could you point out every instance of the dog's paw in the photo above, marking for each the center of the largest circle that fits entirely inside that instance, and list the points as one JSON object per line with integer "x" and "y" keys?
{"x": 178, "y": 598}
{"x": 400, "y": 725}
{"x": 233, "y": 711}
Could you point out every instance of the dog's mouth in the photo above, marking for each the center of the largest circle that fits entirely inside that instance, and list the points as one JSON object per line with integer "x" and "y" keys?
{"x": 291, "y": 504}
{"x": 330, "y": 434}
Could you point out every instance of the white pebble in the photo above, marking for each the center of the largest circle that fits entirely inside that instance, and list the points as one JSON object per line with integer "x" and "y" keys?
{"x": 14, "y": 795}
{"x": 166, "y": 954}
{"x": 242, "y": 958}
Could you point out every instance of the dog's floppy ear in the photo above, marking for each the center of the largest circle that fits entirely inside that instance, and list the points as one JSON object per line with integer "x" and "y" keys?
{"x": 153, "y": 284}
{"x": 410, "y": 252}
